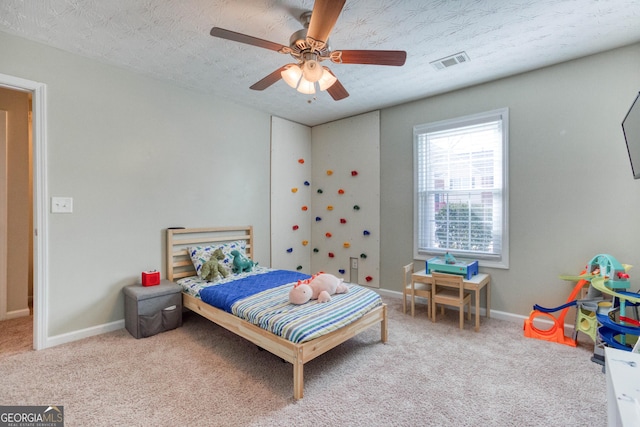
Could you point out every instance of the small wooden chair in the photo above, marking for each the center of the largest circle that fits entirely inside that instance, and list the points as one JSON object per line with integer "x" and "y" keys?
{"x": 414, "y": 289}
{"x": 448, "y": 289}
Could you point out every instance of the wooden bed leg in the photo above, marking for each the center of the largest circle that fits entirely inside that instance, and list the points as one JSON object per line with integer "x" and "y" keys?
{"x": 383, "y": 325}
{"x": 298, "y": 377}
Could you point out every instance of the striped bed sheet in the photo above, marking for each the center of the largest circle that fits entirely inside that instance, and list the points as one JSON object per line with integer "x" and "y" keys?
{"x": 271, "y": 310}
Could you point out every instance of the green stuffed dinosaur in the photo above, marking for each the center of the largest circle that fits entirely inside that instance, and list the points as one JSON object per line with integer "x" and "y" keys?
{"x": 240, "y": 263}
{"x": 212, "y": 268}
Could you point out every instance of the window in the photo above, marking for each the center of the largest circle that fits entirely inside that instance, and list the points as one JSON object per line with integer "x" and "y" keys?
{"x": 460, "y": 188}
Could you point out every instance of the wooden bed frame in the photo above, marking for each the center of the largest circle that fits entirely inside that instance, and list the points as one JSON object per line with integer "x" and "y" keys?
{"x": 179, "y": 265}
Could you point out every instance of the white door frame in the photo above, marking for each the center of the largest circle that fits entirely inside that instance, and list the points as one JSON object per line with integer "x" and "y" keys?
{"x": 3, "y": 215}
{"x": 40, "y": 197}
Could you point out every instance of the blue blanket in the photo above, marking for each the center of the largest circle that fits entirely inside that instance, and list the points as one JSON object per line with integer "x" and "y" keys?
{"x": 223, "y": 296}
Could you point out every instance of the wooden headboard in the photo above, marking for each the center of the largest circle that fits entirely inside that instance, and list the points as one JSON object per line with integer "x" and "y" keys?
{"x": 179, "y": 263}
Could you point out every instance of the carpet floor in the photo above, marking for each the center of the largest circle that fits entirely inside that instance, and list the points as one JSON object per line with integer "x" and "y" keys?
{"x": 428, "y": 374}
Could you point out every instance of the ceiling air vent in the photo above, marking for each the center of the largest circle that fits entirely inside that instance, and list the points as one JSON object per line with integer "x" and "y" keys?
{"x": 450, "y": 61}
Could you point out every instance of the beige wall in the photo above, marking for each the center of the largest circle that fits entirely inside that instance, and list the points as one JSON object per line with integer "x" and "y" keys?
{"x": 572, "y": 195}
{"x": 18, "y": 198}
{"x": 137, "y": 155}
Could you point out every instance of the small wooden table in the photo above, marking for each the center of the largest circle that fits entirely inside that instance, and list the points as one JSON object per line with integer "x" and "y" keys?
{"x": 476, "y": 283}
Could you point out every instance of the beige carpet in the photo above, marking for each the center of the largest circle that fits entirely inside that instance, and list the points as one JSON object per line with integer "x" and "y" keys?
{"x": 426, "y": 375}
{"x": 16, "y": 335}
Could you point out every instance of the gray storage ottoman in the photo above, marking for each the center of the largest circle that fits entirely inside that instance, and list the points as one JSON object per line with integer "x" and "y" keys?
{"x": 150, "y": 310}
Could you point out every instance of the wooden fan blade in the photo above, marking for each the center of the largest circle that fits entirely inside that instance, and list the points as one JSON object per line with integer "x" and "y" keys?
{"x": 269, "y": 80}
{"x": 323, "y": 18}
{"x": 373, "y": 57}
{"x": 336, "y": 90}
{"x": 243, "y": 38}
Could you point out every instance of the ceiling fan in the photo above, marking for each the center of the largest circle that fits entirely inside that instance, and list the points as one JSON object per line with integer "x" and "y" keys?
{"x": 309, "y": 47}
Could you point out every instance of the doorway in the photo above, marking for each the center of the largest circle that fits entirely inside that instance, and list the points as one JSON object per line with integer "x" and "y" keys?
{"x": 37, "y": 187}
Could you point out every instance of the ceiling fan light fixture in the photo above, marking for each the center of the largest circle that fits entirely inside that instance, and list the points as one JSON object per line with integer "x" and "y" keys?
{"x": 312, "y": 70}
{"x": 292, "y": 75}
{"x": 327, "y": 80}
{"x": 306, "y": 87}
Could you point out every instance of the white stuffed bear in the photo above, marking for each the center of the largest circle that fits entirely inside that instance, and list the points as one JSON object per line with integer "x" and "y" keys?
{"x": 320, "y": 286}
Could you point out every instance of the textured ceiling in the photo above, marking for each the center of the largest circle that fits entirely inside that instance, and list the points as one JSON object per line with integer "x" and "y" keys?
{"x": 169, "y": 40}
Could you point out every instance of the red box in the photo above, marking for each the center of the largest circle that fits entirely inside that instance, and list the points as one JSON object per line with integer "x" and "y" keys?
{"x": 150, "y": 278}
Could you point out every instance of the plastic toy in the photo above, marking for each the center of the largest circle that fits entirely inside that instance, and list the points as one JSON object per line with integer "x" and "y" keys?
{"x": 595, "y": 316}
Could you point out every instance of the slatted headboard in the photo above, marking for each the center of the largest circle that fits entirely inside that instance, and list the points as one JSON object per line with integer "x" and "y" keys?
{"x": 179, "y": 263}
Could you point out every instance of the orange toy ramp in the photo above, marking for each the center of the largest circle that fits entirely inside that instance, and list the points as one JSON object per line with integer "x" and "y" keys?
{"x": 556, "y": 332}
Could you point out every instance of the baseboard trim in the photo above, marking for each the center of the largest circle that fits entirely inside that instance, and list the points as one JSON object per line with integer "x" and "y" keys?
{"x": 495, "y": 314}
{"x": 18, "y": 313}
{"x": 83, "y": 333}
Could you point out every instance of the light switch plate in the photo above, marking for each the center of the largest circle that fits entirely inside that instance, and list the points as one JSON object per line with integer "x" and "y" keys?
{"x": 61, "y": 204}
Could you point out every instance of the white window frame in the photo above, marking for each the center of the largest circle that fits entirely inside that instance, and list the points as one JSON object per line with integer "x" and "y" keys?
{"x": 500, "y": 260}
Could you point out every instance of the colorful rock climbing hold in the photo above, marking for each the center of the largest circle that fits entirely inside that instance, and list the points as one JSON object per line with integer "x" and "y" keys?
{"x": 354, "y": 173}
{"x": 343, "y": 221}
{"x": 329, "y": 172}
{"x": 295, "y": 227}
{"x": 305, "y": 242}
{"x": 294, "y": 190}
{"x": 290, "y": 250}
{"x": 331, "y": 255}
{"x": 363, "y": 256}
{"x": 330, "y": 207}
{"x": 341, "y": 271}
{"x": 307, "y": 183}
{"x": 327, "y": 234}
{"x": 356, "y": 207}
{"x": 318, "y": 219}
{"x": 368, "y": 278}
{"x": 320, "y": 191}
{"x": 316, "y": 250}
{"x": 304, "y": 208}
{"x": 346, "y": 244}
{"x": 341, "y": 191}
{"x": 366, "y": 232}
{"x": 301, "y": 161}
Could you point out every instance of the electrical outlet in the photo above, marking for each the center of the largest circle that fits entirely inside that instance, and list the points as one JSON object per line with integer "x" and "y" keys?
{"x": 354, "y": 263}
{"x": 61, "y": 204}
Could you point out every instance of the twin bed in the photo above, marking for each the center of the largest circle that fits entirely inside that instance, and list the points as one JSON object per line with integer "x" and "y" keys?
{"x": 255, "y": 306}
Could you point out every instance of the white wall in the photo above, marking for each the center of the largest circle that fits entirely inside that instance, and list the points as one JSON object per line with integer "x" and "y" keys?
{"x": 572, "y": 195}
{"x": 338, "y": 148}
{"x": 290, "y": 170}
{"x": 137, "y": 155}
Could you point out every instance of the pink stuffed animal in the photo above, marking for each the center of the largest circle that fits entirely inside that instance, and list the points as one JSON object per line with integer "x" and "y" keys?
{"x": 320, "y": 286}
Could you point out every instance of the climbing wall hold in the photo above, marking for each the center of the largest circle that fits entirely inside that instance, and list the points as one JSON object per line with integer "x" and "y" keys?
{"x": 294, "y": 190}
{"x": 327, "y": 234}
{"x": 346, "y": 244}
{"x": 329, "y": 172}
{"x": 343, "y": 221}
{"x": 295, "y": 227}
{"x": 341, "y": 191}
{"x": 366, "y": 232}
{"x": 354, "y": 173}
{"x": 368, "y": 278}
{"x": 301, "y": 161}
{"x": 305, "y": 242}
{"x": 304, "y": 208}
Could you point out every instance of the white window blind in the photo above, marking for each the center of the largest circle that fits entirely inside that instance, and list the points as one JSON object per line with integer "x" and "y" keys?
{"x": 460, "y": 188}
